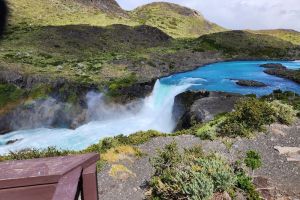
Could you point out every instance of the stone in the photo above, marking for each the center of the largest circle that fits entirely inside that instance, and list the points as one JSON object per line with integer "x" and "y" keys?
{"x": 201, "y": 107}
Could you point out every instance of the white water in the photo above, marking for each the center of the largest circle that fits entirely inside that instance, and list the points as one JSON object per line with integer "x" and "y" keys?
{"x": 155, "y": 113}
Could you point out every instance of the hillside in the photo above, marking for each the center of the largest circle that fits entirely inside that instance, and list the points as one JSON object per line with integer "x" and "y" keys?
{"x": 175, "y": 20}
{"x": 284, "y": 34}
{"x": 247, "y": 44}
{"x": 65, "y": 12}
{"x": 79, "y": 42}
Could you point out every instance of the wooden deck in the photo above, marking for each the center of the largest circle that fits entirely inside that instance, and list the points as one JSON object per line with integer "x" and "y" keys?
{"x": 58, "y": 178}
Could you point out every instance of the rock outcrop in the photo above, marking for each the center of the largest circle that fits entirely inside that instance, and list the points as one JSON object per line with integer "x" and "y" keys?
{"x": 250, "y": 83}
{"x": 273, "y": 66}
{"x": 199, "y": 107}
{"x": 281, "y": 71}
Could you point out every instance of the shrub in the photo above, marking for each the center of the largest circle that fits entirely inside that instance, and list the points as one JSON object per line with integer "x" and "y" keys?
{"x": 253, "y": 160}
{"x": 250, "y": 115}
{"x": 195, "y": 185}
{"x": 167, "y": 158}
{"x": 245, "y": 183}
{"x": 284, "y": 113}
{"x": 190, "y": 175}
{"x": 220, "y": 172}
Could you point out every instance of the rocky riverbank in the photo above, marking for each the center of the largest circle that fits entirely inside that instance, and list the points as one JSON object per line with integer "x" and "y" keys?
{"x": 282, "y": 71}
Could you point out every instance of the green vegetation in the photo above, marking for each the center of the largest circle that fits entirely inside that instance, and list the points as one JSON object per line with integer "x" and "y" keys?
{"x": 288, "y": 35}
{"x": 289, "y": 98}
{"x": 245, "y": 183}
{"x": 284, "y": 113}
{"x": 194, "y": 175}
{"x": 190, "y": 175}
{"x": 34, "y": 153}
{"x": 245, "y": 44}
{"x": 253, "y": 160}
{"x": 111, "y": 149}
{"x": 251, "y": 115}
{"x": 291, "y": 74}
{"x": 210, "y": 130}
{"x": 133, "y": 139}
{"x": 9, "y": 94}
{"x": 175, "y": 20}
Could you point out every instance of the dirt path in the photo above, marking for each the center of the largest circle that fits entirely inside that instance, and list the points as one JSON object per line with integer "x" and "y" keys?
{"x": 283, "y": 176}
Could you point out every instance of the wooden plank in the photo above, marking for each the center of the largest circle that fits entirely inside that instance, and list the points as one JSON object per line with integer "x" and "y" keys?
{"x": 89, "y": 183}
{"x": 67, "y": 187}
{"x": 40, "y": 192}
{"x": 41, "y": 171}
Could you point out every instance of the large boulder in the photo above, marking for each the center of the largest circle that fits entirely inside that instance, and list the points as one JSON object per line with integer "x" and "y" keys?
{"x": 200, "y": 107}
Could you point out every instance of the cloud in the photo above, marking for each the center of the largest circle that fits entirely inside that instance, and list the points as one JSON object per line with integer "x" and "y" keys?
{"x": 240, "y": 14}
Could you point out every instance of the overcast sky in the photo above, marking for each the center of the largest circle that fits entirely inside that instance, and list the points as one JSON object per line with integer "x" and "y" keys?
{"x": 240, "y": 14}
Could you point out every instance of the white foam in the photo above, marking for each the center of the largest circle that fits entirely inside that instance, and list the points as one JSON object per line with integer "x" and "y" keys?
{"x": 154, "y": 112}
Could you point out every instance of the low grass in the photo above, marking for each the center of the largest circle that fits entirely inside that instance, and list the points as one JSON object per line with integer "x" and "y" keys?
{"x": 117, "y": 154}
{"x": 287, "y": 35}
{"x": 175, "y": 20}
{"x": 118, "y": 171}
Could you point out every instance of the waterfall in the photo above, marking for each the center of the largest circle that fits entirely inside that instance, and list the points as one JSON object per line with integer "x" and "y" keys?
{"x": 152, "y": 113}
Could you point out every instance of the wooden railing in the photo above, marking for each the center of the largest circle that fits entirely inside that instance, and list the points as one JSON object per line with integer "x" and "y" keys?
{"x": 58, "y": 178}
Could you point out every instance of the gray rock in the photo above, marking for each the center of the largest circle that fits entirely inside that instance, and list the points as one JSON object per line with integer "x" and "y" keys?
{"x": 201, "y": 107}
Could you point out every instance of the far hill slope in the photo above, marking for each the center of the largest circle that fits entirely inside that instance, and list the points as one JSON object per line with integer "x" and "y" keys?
{"x": 177, "y": 21}
{"x": 284, "y": 34}
{"x": 67, "y": 12}
{"x": 248, "y": 44}
{"x": 107, "y": 6}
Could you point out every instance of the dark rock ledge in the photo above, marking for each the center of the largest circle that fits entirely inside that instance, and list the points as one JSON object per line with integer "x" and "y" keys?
{"x": 250, "y": 83}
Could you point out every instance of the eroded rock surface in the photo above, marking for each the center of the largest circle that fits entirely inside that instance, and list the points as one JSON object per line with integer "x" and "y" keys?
{"x": 198, "y": 107}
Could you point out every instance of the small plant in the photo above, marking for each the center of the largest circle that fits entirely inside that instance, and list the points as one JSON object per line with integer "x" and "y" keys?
{"x": 245, "y": 183}
{"x": 253, "y": 160}
{"x": 191, "y": 175}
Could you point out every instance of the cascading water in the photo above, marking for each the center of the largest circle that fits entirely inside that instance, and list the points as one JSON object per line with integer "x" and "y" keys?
{"x": 154, "y": 113}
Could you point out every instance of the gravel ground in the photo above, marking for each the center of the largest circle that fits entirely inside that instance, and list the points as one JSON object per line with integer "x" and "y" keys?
{"x": 283, "y": 176}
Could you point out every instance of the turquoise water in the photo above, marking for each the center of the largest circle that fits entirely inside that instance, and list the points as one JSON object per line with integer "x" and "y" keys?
{"x": 156, "y": 109}
{"x": 218, "y": 77}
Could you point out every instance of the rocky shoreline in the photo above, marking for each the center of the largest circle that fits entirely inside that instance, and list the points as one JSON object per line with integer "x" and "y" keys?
{"x": 281, "y": 71}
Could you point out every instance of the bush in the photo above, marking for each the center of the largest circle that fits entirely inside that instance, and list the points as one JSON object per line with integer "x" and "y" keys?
{"x": 221, "y": 173}
{"x": 253, "y": 160}
{"x": 190, "y": 175}
{"x": 195, "y": 185}
{"x": 284, "y": 113}
{"x": 244, "y": 182}
{"x": 250, "y": 115}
